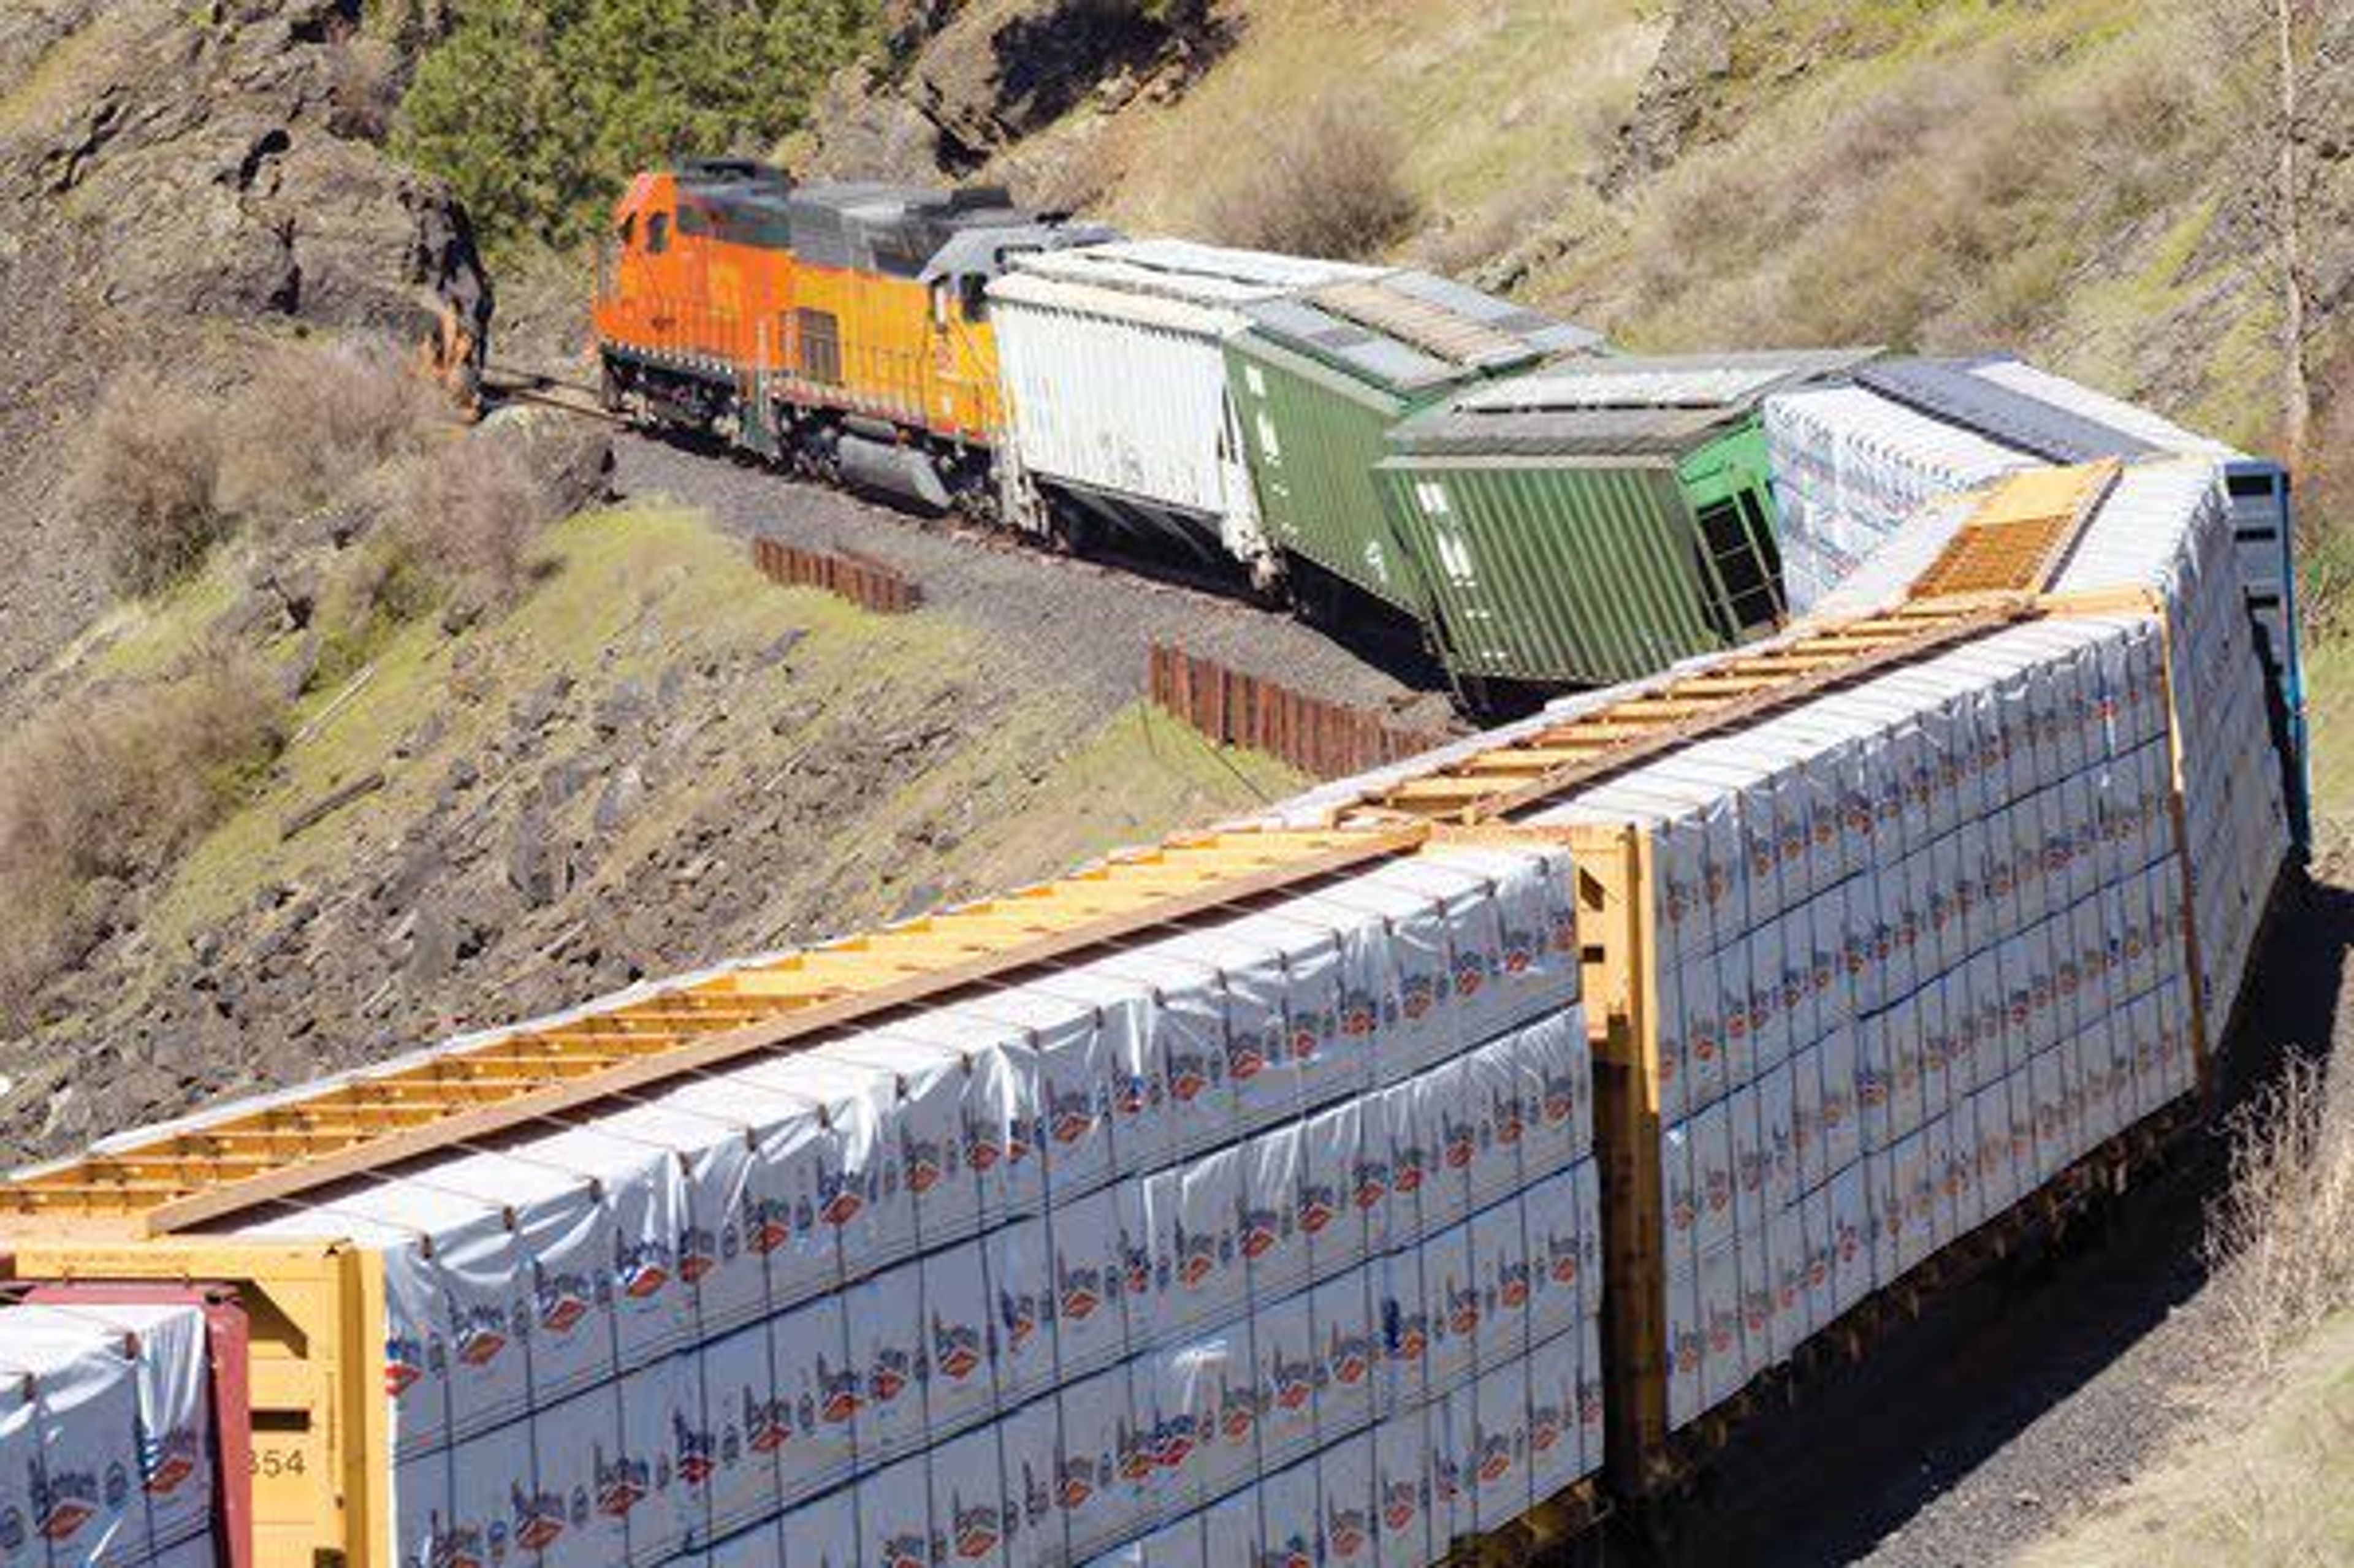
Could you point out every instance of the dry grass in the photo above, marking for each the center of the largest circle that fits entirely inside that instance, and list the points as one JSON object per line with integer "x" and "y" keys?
{"x": 314, "y": 415}
{"x": 2281, "y": 1237}
{"x": 163, "y": 471}
{"x": 468, "y": 511}
{"x": 145, "y": 483}
{"x": 1955, "y": 197}
{"x": 103, "y": 793}
{"x": 364, "y": 84}
{"x": 1325, "y": 181}
{"x": 2267, "y": 1479}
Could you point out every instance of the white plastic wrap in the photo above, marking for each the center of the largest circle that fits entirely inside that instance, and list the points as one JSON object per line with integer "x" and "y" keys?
{"x": 895, "y": 1515}
{"x": 172, "y": 1380}
{"x": 1347, "y": 1352}
{"x": 734, "y": 1446}
{"x": 74, "y": 1434}
{"x": 1344, "y": 1489}
{"x": 1402, "y": 1454}
{"x": 824, "y": 1531}
{"x": 1284, "y": 1356}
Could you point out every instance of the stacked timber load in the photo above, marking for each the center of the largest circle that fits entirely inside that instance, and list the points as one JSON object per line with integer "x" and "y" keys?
{"x": 1855, "y": 465}
{"x": 1270, "y": 1233}
{"x": 2166, "y": 536}
{"x": 106, "y": 1452}
{"x": 2169, "y": 529}
{"x": 1851, "y": 468}
{"x": 1915, "y": 949}
{"x": 1905, "y": 919}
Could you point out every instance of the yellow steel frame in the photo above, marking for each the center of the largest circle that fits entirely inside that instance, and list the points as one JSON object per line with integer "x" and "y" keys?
{"x": 315, "y": 1315}
{"x": 1543, "y": 765}
{"x": 2018, "y": 534}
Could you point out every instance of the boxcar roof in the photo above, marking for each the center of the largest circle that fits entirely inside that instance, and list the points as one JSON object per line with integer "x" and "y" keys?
{"x": 1412, "y": 332}
{"x": 1601, "y": 406}
{"x": 1198, "y": 274}
{"x": 1640, "y": 433}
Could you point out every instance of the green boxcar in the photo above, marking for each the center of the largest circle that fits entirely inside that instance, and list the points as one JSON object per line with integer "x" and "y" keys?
{"x": 1318, "y": 380}
{"x": 1594, "y": 521}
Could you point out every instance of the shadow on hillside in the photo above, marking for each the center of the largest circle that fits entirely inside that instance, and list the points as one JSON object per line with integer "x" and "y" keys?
{"x": 1860, "y": 1457}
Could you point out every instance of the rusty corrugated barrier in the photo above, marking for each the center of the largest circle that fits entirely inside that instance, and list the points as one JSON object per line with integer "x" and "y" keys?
{"x": 1322, "y": 739}
{"x": 862, "y": 580}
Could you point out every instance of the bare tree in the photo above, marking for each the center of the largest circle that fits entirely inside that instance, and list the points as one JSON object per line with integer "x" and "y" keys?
{"x": 2296, "y": 392}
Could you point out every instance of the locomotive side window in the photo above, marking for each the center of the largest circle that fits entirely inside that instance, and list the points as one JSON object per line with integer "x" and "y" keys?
{"x": 975, "y": 289}
{"x": 629, "y": 231}
{"x": 658, "y": 233}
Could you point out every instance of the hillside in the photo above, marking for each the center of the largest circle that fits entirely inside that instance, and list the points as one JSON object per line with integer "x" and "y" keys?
{"x": 653, "y": 758}
{"x": 440, "y": 725}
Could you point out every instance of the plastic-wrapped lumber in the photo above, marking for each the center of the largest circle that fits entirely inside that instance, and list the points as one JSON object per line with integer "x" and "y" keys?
{"x": 2169, "y": 528}
{"x": 105, "y": 1436}
{"x": 1065, "y": 1261}
{"x": 1851, "y": 467}
{"x": 1919, "y": 946}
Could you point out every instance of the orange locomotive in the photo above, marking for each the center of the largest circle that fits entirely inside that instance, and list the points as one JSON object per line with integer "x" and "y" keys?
{"x": 843, "y": 327}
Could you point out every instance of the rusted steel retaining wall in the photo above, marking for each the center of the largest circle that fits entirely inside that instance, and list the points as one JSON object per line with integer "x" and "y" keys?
{"x": 1322, "y": 739}
{"x": 861, "y": 579}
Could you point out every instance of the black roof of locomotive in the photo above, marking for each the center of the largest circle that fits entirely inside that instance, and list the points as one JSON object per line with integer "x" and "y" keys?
{"x": 873, "y": 226}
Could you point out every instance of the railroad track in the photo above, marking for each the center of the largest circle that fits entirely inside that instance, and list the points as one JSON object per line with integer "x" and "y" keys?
{"x": 511, "y": 384}
{"x": 507, "y": 384}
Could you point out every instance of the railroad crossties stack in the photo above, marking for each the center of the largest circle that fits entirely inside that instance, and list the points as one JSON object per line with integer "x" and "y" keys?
{"x": 1411, "y": 1172}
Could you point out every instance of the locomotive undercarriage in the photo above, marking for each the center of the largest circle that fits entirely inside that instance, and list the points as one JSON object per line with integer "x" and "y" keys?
{"x": 834, "y": 446}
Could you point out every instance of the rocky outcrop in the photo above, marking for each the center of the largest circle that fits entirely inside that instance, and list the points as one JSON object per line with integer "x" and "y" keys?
{"x": 961, "y": 84}
{"x": 1683, "y": 87}
{"x": 170, "y": 178}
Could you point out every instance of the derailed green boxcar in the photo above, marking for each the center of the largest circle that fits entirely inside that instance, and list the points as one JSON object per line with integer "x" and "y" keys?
{"x": 1595, "y": 520}
{"x": 1318, "y": 380}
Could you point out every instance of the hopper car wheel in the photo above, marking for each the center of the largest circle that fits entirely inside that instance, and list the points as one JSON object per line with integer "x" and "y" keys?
{"x": 1068, "y": 532}
{"x": 1269, "y": 588}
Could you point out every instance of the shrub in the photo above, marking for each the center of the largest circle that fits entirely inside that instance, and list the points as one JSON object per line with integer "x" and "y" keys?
{"x": 536, "y": 112}
{"x": 2281, "y": 1237}
{"x": 144, "y": 481}
{"x": 1326, "y": 181}
{"x": 315, "y": 416}
{"x": 467, "y": 511}
{"x": 363, "y": 88}
{"x": 115, "y": 787}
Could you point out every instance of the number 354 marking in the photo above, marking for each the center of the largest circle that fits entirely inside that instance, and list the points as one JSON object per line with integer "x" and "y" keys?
{"x": 273, "y": 1463}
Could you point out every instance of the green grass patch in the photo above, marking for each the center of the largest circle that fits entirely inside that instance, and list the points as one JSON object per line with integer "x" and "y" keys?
{"x": 145, "y": 636}
{"x": 2329, "y": 711}
{"x": 640, "y": 595}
